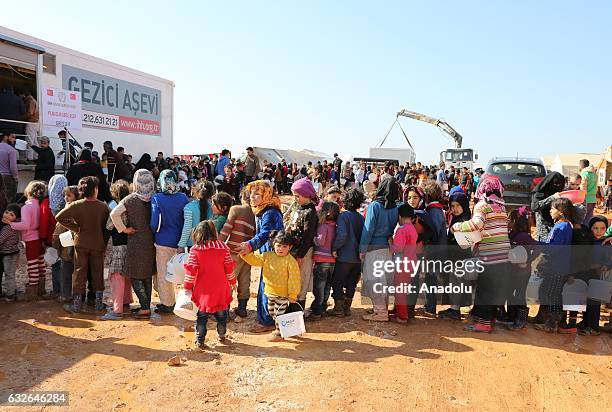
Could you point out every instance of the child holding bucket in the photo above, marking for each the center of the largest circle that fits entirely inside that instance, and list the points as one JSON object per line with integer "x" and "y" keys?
{"x": 210, "y": 278}
{"x": 281, "y": 275}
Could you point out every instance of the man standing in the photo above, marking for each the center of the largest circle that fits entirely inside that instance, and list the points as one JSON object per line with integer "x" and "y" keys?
{"x": 441, "y": 179}
{"x": 223, "y": 161}
{"x": 31, "y": 129}
{"x": 11, "y": 108}
{"x": 45, "y": 164}
{"x": 116, "y": 164}
{"x": 160, "y": 162}
{"x": 337, "y": 162}
{"x": 8, "y": 165}
{"x": 72, "y": 158}
{"x": 251, "y": 165}
{"x": 589, "y": 184}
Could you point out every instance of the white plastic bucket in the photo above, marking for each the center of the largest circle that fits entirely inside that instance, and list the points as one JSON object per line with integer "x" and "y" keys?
{"x": 533, "y": 289}
{"x": 575, "y": 295}
{"x": 175, "y": 268}
{"x": 467, "y": 239}
{"x": 600, "y": 290}
{"x": 67, "y": 239}
{"x": 21, "y": 144}
{"x": 291, "y": 324}
{"x": 184, "y": 307}
{"x": 518, "y": 255}
{"x": 51, "y": 256}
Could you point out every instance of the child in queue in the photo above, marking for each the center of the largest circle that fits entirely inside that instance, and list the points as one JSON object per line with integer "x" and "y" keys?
{"x": 404, "y": 248}
{"x": 324, "y": 261}
{"x": 221, "y": 203}
{"x": 9, "y": 250}
{"x": 66, "y": 254}
{"x": 281, "y": 275}
{"x": 35, "y": 192}
{"x": 210, "y": 278}
{"x": 198, "y": 209}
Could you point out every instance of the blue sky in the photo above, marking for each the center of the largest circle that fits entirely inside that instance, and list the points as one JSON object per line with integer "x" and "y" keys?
{"x": 526, "y": 77}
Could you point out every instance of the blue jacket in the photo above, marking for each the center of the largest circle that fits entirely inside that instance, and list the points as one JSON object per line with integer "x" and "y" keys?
{"x": 378, "y": 227}
{"x": 220, "y": 169}
{"x": 348, "y": 234}
{"x": 191, "y": 219}
{"x": 167, "y": 218}
{"x": 270, "y": 219}
{"x": 557, "y": 251}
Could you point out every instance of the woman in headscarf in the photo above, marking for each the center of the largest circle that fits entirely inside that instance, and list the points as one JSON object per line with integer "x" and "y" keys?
{"x": 542, "y": 197}
{"x": 459, "y": 212}
{"x": 56, "y": 193}
{"x": 133, "y": 216}
{"x": 380, "y": 222}
{"x": 145, "y": 163}
{"x": 491, "y": 220}
{"x": 268, "y": 217}
{"x": 167, "y": 225}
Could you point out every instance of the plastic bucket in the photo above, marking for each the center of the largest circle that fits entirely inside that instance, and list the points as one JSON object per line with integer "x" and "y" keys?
{"x": 51, "y": 256}
{"x": 184, "y": 307}
{"x": 518, "y": 255}
{"x": 600, "y": 290}
{"x": 466, "y": 240}
{"x": 291, "y": 324}
{"x": 575, "y": 295}
{"x": 175, "y": 268}
{"x": 533, "y": 288}
{"x": 575, "y": 196}
{"x": 67, "y": 239}
{"x": 21, "y": 144}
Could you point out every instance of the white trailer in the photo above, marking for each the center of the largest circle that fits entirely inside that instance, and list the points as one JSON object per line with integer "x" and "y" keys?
{"x": 405, "y": 155}
{"x": 128, "y": 107}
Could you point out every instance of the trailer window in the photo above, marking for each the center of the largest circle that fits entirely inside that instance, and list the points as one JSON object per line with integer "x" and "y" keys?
{"x": 49, "y": 63}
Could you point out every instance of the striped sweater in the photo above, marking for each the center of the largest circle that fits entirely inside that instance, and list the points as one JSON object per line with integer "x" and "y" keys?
{"x": 239, "y": 227}
{"x": 492, "y": 223}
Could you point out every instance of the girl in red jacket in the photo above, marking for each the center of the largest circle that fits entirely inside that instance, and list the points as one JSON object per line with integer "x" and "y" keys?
{"x": 209, "y": 276}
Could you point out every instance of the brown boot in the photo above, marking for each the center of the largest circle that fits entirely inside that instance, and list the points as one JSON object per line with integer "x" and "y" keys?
{"x": 31, "y": 293}
{"x": 338, "y": 309}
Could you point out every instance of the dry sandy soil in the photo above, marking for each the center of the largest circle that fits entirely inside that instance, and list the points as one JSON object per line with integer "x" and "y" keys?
{"x": 339, "y": 364}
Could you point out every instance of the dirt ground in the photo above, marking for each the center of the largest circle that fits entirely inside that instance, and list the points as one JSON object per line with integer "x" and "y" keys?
{"x": 339, "y": 364}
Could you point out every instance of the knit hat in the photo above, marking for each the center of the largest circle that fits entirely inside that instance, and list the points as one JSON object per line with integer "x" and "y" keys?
{"x": 304, "y": 187}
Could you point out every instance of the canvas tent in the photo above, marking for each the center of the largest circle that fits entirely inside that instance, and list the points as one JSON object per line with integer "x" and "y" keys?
{"x": 276, "y": 156}
{"x": 567, "y": 164}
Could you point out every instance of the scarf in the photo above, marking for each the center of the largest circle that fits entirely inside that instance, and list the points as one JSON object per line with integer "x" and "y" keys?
{"x": 304, "y": 187}
{"x": 144, "y": 184}
{"x": 419, "y": 191}
{"x": 387, "y": 193}
{"x": 268, "y": 198}
{"x": 167, "y": 182}
{"x": 56, "y": 192}
{"x": 463, "y": 200}
{"x": 491, "y": 190}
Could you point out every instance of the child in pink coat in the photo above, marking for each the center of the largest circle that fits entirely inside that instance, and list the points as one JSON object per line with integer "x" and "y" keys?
{"x": 35, "y": 192}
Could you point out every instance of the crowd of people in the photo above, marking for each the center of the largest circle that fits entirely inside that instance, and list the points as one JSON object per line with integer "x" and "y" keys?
{"x": 343, "y": 220}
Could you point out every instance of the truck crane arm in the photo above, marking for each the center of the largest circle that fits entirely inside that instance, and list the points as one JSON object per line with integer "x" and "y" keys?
{"x": 441, "y": 124}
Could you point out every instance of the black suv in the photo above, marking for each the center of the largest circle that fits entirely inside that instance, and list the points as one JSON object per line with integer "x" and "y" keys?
{"x": 519, "y": 176}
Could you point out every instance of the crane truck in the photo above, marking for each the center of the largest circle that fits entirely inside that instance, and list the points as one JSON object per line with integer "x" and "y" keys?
{"x": 458, "y": 156}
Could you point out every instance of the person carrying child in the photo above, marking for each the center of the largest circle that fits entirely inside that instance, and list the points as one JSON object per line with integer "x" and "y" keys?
{"x": 281, "y": 275}
{"x": 210, "y": 278}
{"x": 324, "y": 260}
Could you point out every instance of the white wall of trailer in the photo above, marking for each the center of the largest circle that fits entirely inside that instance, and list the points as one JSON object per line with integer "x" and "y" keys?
{"x": 135, "y": 143}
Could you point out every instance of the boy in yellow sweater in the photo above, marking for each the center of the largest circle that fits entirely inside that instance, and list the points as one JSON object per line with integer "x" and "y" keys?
{"x": 281, "y": 275}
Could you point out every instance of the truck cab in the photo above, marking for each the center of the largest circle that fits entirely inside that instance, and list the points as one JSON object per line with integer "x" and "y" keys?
{"x": 459, "y": 158}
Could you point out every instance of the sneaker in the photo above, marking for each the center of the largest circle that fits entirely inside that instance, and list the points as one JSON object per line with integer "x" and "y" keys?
{"x": 567, "y": 330}
{"x": 376, "y": 317}
{"x": 10, "y": 298}
{"x": 517, "y": 326}
{"x": 478, "y": 327}
{"x": 201, "y": 345}
{"x": 312, "y": 317}
{"x": 224, "y": 340}
{"x": 259, "y": 328}
{"x": 111, "y": 316}
{"x": 397, "y": 319}
{"x": 450, "y": 314}
{"x": 588, "y": 331}
{"x": 163, "y": 309}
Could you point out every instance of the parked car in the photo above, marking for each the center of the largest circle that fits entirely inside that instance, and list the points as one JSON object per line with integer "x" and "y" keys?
{"x": 519, "y": 176}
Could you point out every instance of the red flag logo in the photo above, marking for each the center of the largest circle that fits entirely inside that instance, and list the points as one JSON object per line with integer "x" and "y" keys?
{"x": 72, "y": 96}
{"x": 49, "y": 92}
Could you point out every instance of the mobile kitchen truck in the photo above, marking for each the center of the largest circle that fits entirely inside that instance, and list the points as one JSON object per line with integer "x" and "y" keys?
{"x": 100, "y": 100}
